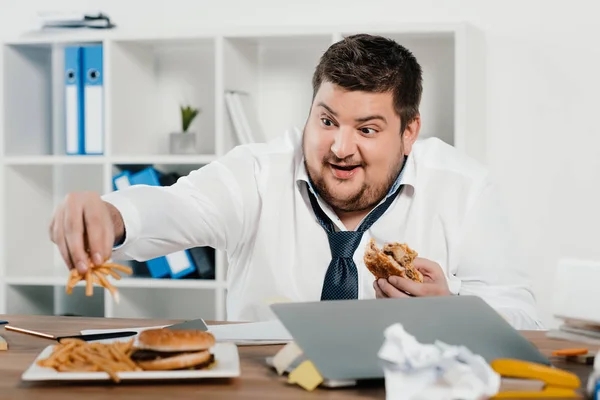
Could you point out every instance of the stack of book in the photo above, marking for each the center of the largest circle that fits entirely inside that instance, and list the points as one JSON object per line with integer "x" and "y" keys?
{"x": 244, "y": 117}
{"x": 576, "y": 296}
{"x": 577, "y": 331}
{"x": 61, "y": 20}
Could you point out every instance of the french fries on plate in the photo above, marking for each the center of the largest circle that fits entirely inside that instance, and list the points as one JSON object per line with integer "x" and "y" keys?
{"x": 76, "y": 355}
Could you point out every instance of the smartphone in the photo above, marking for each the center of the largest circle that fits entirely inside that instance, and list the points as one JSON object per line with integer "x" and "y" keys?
{"x": 197, "y": 324}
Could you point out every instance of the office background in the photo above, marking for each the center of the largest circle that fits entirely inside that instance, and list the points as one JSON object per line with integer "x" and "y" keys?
{"x": 541, "y": 85}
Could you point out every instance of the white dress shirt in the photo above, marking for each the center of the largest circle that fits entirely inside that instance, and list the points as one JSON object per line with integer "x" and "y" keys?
{"x": 252, "y": 203}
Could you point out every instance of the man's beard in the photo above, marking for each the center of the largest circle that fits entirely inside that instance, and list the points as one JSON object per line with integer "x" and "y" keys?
{"x": 366, "y": 198}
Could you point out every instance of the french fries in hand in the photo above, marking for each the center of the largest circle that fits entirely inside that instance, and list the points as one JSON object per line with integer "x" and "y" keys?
{"x": 96, "y": 274}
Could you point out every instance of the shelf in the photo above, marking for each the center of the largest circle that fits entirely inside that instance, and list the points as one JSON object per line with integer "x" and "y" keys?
{"x": 148, "y": 75}
{"x": 170, "y": 33}
{"x": 168, "y": 283}
{"x": 149, "y": 81}
{"x": 30, "y": 300}
{"x": 28, "y": 111}
{"x": 31, "y": 195}
{"x": 123, "y": 283}
{"x": 53, "y": 160}
{"x": 36, "y": 280}
{"x": 276, "y": 72}
{"x": 174, "y": 303}
{"x": 164, "y": 159}
{"x": 200, "y": 159}
{"x": 436, "y": 55}
{"x": 57, "y": 37}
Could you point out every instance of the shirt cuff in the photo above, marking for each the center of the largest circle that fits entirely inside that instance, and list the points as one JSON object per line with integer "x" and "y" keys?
{"x": 130, "y": 215}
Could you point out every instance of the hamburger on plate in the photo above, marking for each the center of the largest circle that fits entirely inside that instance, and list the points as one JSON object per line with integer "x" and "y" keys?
{"x": 165, "y": 349}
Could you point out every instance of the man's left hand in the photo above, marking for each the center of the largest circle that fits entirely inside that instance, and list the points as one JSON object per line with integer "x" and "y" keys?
{"x": 434, "y": 282}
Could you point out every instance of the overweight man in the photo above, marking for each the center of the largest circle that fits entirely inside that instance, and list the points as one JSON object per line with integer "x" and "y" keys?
{"x": 294, "y": 215}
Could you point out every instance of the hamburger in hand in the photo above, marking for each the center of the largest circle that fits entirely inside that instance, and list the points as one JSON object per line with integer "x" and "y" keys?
{"x": 394, "y": 259}
{"x": 165, "y": 349}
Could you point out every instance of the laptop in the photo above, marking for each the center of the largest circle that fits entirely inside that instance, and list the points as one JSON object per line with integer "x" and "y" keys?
{"x": 342, "y": 338}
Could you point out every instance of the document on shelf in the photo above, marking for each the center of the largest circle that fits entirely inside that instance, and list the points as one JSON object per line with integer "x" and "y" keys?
{"x": 243, "y": 334}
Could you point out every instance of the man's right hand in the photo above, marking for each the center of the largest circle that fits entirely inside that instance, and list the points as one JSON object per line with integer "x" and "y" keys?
{"x": 84, "y": 228}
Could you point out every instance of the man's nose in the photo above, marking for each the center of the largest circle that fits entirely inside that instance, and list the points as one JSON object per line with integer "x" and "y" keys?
{"x": 344, "y": 144}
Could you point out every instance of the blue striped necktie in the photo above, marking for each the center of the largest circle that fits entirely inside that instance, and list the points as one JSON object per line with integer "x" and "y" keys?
{"x": 341, "y": 279}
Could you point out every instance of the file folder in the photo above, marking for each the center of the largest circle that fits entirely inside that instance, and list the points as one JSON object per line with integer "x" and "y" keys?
{"x": 204, "y": 259}
{"x": 147, "y": 176}
{"x": 121, "y": 181}
{"x": 180, "y": 264}
{"x": 93, "y": 99}
{"x": 177, "y": 264}
{"x": 74, "y": 134}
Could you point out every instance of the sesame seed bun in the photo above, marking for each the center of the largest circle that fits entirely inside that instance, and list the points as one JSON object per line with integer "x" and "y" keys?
{"x": 175, "y": 340}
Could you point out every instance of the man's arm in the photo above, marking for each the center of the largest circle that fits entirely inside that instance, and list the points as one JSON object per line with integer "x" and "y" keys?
{"x": 208, "y": 207}
{"x": 491, "y": 264}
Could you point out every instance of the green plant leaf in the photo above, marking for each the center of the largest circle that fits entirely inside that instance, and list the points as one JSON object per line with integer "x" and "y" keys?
{"x": 187, "y": 116}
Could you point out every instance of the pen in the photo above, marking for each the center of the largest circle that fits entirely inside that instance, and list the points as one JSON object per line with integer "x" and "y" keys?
{"x": 87, "y": 337}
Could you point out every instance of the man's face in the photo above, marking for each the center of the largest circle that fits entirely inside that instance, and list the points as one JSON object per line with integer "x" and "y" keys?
{"x": 352, "y": 146}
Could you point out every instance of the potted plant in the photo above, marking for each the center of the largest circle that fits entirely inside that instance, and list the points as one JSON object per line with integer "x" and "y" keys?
{"x": 184, "y": 142}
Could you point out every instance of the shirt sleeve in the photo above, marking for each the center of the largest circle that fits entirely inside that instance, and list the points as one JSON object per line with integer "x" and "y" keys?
{"x": 212, "y": 206}
{"x": 491, "y": 263}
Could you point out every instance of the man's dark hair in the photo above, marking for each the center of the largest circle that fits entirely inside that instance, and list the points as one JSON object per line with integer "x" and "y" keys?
{"x": 374, "y": 64}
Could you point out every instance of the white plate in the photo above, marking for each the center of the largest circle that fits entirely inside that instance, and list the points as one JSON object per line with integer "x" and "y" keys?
{"x": 226, "y": 357}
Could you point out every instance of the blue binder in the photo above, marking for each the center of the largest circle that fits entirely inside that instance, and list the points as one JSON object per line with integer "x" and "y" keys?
{"x": 93, "y": 104}
{"x": 74, "y": 123}
{"x": 178, "y": 264}
{"x": 147, "y": 176}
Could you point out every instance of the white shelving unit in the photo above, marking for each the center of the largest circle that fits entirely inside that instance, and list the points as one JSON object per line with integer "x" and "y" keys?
{"x": 146, "y": 77}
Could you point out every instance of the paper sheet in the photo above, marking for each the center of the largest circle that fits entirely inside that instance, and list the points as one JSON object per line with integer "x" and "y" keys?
{"x": 560, "y": 334}
{"x": 267, "y": 332}
{"x": 251, "y": 333}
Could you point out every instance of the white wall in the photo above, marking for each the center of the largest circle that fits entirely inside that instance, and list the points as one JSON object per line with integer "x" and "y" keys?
{"x": 543, "y": 57}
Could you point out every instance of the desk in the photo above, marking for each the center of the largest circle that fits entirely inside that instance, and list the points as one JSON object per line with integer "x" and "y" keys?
{"x": 257, "y": 381}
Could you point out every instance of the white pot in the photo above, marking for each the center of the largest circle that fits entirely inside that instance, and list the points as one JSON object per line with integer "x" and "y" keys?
{"x": 183, "y": 143}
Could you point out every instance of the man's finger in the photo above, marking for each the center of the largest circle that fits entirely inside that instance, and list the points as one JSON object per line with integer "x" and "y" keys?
{"x": 389, "y": 290}
{"x": 96, "y": 234}
{"x": 378, "y": 293}
{"x": 73, "y": 228}
{"x": 427, "y": 267}
{"x": 406, "y": 285}
{"x": 58, "y": 237}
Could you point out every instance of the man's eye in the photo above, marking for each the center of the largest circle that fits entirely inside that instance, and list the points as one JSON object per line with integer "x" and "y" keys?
{"x": 367, "y": 131}
{"x": 326, "y": 122}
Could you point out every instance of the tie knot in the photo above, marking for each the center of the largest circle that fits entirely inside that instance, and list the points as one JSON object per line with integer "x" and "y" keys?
{"x": 343, "y": 244}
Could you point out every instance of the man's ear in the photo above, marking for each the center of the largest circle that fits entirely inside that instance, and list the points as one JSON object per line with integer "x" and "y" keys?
{"x": 411, "y": 133}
